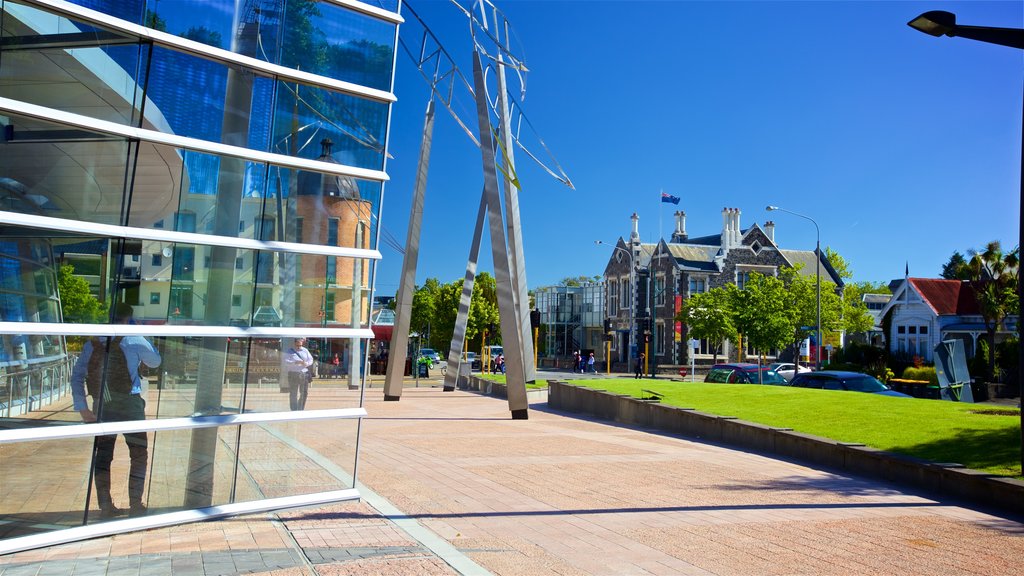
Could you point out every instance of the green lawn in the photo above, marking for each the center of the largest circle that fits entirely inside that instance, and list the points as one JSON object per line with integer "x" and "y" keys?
{"x": 982, "y": 437}
{"x": 539, "y": 385}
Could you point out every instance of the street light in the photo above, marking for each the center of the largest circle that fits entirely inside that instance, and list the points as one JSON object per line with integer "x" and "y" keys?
{"x": 817, "y": 272}
{"x": 632, "y": 304}
{"x": 939, "y": 23}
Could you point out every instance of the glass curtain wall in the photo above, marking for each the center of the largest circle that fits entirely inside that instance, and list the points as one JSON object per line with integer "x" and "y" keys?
{"x": 179, "y": 212}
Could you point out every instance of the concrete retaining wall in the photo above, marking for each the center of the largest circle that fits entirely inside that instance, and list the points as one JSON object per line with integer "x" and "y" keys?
{"x": 945, "y": 479}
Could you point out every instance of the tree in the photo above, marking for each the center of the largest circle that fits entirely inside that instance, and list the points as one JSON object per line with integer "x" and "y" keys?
{"x": 579, "y": 280}
{"x": 435, "y": 307}
{"x": 762, "y": 314}
{"x": 77, "y": 303}
{"x": 802, "y": 305}
{"x": 994, "y": 275}
{"x": 839, "y": 264}
{"x": 708, "y": 316}
{"x": 953, "y": 269}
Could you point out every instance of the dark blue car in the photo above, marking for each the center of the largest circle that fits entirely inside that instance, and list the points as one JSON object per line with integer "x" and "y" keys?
{"x": 838, "y": 380}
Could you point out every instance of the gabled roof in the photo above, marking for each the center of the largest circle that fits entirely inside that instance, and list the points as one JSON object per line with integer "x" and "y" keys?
{"x": 946, "y": 297}
{"x": 693, "y": 256}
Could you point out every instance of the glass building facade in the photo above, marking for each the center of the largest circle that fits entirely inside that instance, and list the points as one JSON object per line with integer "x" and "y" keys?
{"x": 216, "y": 168}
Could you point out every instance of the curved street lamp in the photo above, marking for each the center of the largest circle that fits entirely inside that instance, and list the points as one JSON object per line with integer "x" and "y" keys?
{"x": 632, "y": 289}
{"x": 941, "y": 23}
{"x": 817, "y": 254}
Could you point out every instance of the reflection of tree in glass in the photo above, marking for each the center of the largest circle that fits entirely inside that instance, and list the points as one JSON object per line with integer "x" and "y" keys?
{"x": 204, "y": 35}
{"x": 77, "y": 303}
{"x": 353, "y": 122}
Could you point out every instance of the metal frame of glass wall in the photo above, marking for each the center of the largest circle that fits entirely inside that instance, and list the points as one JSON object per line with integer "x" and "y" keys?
{"x": 188, "y": 187}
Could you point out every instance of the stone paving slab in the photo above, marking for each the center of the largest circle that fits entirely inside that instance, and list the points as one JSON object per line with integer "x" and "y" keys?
{"x": 563, "y": 495}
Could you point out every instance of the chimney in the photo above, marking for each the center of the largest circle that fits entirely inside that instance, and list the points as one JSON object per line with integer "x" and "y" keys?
{"x": 634, "y": 236}
{"x": 726, "y": 238}
{"x": 736, "y": 227}
{"x": 680, "y": 234}
{"x": 769, "y": 229}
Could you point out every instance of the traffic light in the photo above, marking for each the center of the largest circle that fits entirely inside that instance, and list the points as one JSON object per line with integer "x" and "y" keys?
{"x": 534, "y": 318}
{"x": 607, "y": 325}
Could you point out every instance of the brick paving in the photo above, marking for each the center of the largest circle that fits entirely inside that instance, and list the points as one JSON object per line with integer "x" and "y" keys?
{"x": 455, "y": 486}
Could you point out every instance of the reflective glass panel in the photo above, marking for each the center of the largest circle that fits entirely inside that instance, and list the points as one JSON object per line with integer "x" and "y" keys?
{"x": 43, "y": 486}
{"x": 50, "y": 379}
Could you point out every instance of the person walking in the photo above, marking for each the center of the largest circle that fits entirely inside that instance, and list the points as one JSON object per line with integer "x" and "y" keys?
{"x": 336, "y": 366}
{"x": 590, "y": 364}
{"x": 108, "y": 371}
{"x": 639, "y": 371}
{"x": 297, "y": 362}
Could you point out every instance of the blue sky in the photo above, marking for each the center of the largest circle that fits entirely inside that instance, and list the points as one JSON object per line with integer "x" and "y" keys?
{"x": 903, "y": 147}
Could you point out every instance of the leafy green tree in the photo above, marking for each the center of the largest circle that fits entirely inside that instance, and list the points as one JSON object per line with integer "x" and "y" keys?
{"x": 856, "y": 317}
{"x": 802, "y": 305}
{"x": 435, "y": 307}
{"x": 708, "y": 316}
{"x": 77, "y": 303}
{"x": 839, "y": 264}
{"x": 868, "y": 287}
{"x": 483, "y": 311}
{"x": 761, "y": 313}
{"x": 994, "y": 275}
{"x": 423, "y": 302}
{"x": 579, "y": 280}
{"x": 953, "y": 269}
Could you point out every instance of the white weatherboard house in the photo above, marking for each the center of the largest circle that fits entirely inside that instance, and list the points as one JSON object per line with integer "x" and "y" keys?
{"x": 926, "y": 311}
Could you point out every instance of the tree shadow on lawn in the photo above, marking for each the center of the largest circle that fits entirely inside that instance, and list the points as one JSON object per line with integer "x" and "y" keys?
{"x": 993, "y": 451}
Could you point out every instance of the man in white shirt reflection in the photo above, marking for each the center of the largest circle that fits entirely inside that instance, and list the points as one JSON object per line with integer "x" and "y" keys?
{"x": 297, "y": 361}
{"x": 116, "y": 391}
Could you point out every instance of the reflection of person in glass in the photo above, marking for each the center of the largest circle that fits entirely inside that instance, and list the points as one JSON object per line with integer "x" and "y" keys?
{"x": 116, "y": 398}
{"x": 297, "y": 361}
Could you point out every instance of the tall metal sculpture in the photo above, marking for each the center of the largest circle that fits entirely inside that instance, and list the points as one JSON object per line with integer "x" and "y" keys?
{"x": 505, "y": 232}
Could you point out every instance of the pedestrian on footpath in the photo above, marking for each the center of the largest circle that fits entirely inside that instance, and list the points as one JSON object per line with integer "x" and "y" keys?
{"x": 639, "y": 372}
{"x": 590, "y": 364}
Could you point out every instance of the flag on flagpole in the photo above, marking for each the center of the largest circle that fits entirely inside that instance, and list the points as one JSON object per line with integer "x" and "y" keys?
{"x": 666, "y": 197}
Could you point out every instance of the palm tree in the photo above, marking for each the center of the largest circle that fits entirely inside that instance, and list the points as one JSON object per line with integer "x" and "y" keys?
{"x": 994, "y": 277}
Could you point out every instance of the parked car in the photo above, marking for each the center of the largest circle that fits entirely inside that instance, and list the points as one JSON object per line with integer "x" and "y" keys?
{"x": 472, "y": 359}
{"x": 787, "y": 369}
{"x": 840, "y": 380}
{"x": 432, "y": 354}
{"x": 743, "y": 373}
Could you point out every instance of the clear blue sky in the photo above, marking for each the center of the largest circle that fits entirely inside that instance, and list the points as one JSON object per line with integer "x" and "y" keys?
{"x": 903, "y": 147}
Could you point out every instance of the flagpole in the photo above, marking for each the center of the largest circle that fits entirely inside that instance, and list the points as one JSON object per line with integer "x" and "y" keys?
{"x": 660, "y": 215}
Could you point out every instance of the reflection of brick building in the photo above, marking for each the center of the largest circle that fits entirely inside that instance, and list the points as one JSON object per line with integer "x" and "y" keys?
{"x": 326, "y": 283}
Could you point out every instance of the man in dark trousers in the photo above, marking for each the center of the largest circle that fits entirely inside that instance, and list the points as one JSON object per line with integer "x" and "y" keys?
{"x": 108, "y": 369}
{"x": 639, "y": 372}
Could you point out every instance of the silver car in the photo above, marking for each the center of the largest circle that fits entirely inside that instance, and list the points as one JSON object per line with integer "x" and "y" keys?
{"x": 787, "y": 370}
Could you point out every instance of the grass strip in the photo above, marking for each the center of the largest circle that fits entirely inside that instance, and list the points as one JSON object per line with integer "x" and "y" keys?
{"x": 979, "y": 436}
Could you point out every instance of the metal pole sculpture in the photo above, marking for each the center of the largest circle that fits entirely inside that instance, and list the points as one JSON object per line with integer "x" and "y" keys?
{"x": 511, "y": 335}
{"x": 465, "y": 299}
{"x": 407, "y": 286}
{"x": 437, "y": 67}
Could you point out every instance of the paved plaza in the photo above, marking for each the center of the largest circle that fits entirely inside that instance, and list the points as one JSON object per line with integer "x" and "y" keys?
{"x": 452, "y": 485}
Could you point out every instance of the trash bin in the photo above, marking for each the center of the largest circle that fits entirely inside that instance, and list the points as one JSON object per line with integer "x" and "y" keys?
{"x": 422, "y": 370}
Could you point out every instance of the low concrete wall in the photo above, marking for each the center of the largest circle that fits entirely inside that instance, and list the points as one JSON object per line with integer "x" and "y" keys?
{"x": 946, "y": 479}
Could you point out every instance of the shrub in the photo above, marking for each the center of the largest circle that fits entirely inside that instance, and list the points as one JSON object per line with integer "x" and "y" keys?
{"x": 923, "y": 373}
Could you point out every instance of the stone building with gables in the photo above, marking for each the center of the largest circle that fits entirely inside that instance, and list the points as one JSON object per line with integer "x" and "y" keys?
{"x": 647, "y": 283}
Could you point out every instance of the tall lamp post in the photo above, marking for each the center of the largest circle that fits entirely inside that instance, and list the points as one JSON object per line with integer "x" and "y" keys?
{"x": 817, "y": 272}
{"x": 940, "y": 23}
{"x": 632, "y": 288}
